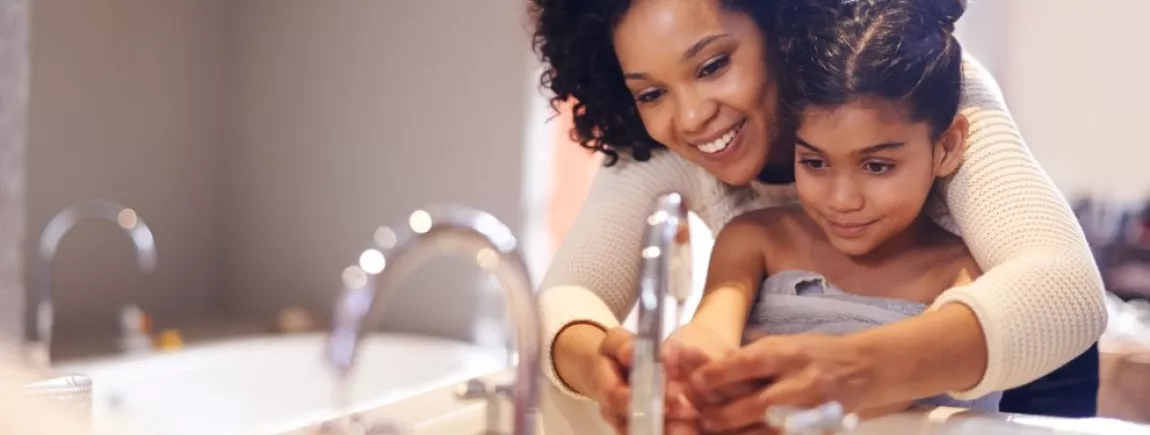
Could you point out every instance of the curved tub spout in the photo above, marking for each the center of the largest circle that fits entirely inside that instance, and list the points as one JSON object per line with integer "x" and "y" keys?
{"x": 397, "y": 251}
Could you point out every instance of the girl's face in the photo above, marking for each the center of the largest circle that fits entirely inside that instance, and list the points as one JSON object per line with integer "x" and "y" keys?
{"x": 698, "y": 73}
{"x": 864, "y": 171}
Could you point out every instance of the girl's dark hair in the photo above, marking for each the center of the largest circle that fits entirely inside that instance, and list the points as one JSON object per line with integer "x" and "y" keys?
{"x": 574, "y": 39}
{"x": 835, "y": 51}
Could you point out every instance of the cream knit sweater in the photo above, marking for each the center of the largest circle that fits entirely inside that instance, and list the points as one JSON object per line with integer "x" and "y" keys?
{"x": 1040, "y": 302}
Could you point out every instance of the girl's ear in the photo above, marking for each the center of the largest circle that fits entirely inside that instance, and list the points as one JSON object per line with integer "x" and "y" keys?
{"x": 950, "y": 147}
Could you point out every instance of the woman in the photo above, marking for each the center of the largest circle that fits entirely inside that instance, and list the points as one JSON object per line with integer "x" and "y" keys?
{"x": 679, "y": 95}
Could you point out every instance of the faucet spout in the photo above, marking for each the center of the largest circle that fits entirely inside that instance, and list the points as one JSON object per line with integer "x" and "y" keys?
{"x": 664, "y": 270}
{"x": 54, "y": 232}
{"x": 396, "y": 252}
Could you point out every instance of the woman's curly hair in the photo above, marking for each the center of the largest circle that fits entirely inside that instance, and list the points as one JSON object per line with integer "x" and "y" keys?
{"x": 574, "y": 38}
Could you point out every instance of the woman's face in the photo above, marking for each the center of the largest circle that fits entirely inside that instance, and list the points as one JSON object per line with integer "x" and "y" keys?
{"x": 698, "y": 73}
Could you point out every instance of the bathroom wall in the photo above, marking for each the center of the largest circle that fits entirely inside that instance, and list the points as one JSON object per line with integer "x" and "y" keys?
{"x": 1075, "y": 77}
{"x": 264, "y": 140}
{"x": 127, "y": 102}
{"x": 352, "y": 114}
{"x": 14, "y": 17}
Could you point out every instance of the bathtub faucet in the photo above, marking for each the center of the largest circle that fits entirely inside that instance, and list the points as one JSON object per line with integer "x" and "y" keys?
{"x": 397, "y": 252}
{"x": 664, "y": 270}
{"x": 54, "y": 232}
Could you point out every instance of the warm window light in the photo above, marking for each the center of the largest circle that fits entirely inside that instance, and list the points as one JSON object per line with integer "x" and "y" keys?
{"x": 372, "y": 261}
{"x": 127, "y": 218}
{"x": 354, "y": 277}
{"x": 385, "y": 237}
{"x": 420, "y": 221}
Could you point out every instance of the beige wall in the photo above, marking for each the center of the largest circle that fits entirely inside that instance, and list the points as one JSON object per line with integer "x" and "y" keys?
{"x": 352, "y": 114}
{"x": 14, "y": 23}
{"x": 127, "y": 100}
{"x": 264, "y": 140}
{"x": 1076, "y": 78}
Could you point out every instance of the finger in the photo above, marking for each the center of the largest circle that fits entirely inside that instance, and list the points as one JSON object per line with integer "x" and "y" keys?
{"x": 671, "y": 356}
{"x": 681, "y": 428}
{"x": 750, "y": 410}
{"x": 618, "y": 401}
{"x": 702, "y": 400}
{"x": 690, "y": 360}
{"x": 738, "y": 391}
{"x": 609, "y": 376}
{"x": 724, "y": 395}
{"x": 758, "y": 429}
{"x": 734, "y": 416}
{"x": 617, "y": 422}
{"x": 619, "y": 346}
{"x": 754, "y": 363}
{"x": 676, "y": 403}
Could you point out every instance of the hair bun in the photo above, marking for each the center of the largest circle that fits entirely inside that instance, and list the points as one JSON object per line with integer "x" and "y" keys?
{"x": 945, "y": 12}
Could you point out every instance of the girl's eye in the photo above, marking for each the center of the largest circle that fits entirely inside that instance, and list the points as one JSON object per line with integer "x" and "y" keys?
{"x": 814, "y": 164}
{"x": 878, "y": 168}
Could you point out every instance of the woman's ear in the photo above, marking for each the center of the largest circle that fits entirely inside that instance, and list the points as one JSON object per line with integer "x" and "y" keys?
{"x": 950, "y": 147}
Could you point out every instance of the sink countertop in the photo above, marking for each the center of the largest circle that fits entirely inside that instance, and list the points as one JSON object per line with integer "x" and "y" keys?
{"x": 952, "y": 421}
{"x": 438, "y": 412}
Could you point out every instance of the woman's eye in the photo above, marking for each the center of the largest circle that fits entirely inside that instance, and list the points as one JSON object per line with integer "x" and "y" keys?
{"x": 878, "y": 168}
{"x": 714, "y": 66}
{"x": 649, "y": 96}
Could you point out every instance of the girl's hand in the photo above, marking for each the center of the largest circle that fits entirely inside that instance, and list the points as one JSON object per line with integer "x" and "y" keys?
{"x": 795, "y": 370}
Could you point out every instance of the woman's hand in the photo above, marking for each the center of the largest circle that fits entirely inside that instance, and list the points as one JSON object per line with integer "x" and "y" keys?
{"x": 595, "y": 362}
{"x": 794, "y": 370}
{"x": 602, "y": 375}
{"x": 609, "y": 370}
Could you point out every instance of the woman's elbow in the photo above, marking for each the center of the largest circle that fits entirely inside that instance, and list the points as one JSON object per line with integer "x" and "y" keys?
{"x": 1081, "y": 294}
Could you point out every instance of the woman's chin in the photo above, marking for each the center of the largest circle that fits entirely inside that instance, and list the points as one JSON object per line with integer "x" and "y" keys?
{"x": 739, "y": 174}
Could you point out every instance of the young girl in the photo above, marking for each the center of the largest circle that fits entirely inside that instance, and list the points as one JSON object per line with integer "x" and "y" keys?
{"x": 874, "y": 87}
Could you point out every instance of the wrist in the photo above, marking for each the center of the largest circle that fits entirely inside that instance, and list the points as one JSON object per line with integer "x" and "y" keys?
{"x": 871, "y": 354}
{"x": 573, "y": 354}
{"x": 724, "y": 313}
{"x": 722, "y": 331}
{"x": 937, "y": 352}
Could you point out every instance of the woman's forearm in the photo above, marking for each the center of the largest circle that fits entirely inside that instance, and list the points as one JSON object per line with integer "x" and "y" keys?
{"x": 1041, "y": 299}
{"x": 939, "y": 351}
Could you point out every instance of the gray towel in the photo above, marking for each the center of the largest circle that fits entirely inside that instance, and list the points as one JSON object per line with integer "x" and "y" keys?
{"x": 795, "y": 302}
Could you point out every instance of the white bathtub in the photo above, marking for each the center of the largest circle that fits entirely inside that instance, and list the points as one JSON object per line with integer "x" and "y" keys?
{"x": 267, "y": 384}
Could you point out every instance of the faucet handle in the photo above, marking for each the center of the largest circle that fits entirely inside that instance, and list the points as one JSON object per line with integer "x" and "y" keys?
{"x": 496, "y": 397}
{"x": 476, "y": 389}
{"x": 355, "y": 425}
{"x": 385, "y": 428}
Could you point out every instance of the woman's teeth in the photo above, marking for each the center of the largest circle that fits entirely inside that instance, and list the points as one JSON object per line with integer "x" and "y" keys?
{"x": 721, "y": 143}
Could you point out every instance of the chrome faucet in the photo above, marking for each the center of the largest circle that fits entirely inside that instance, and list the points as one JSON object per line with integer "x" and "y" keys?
{"x": 396, "y": 252}
{"x": 664, "y": 270}
{"x": 54, "y": 232}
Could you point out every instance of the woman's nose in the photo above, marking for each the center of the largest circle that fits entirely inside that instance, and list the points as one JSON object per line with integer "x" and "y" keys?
{"x": 695, "y": 112}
